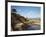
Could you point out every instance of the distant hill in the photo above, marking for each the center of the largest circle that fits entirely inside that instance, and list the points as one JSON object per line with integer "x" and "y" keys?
{"x": 34, "y": 18}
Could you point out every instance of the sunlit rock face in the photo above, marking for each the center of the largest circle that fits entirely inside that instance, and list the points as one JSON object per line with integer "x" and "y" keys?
{"x": 17, "y": 21}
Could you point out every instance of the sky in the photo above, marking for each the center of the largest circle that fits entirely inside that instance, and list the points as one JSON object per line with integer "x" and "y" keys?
{"x": 28, "y": 11}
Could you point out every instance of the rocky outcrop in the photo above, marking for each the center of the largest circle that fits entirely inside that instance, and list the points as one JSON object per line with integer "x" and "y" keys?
{"x": 16, "y": 19}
